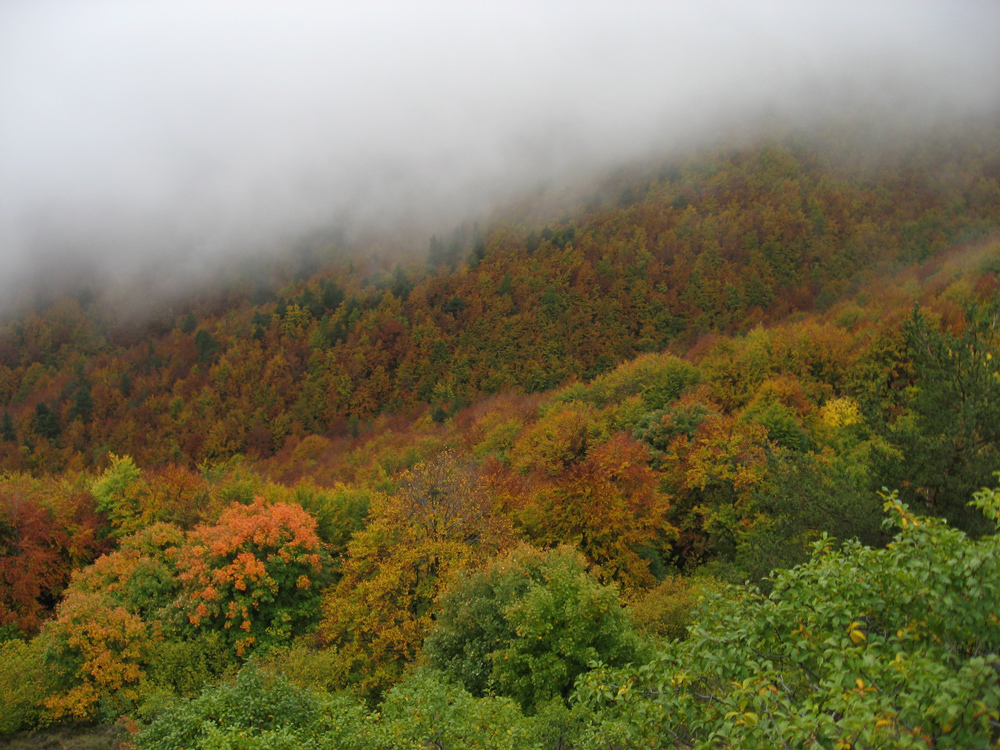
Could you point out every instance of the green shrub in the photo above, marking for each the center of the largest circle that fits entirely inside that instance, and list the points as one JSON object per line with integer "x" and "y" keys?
{"x": 425, "y": 711}
{"x": 528, "y": 625}
{"x": 25, "y": 680}
{"x": 857, "y": 648}
{"x": 258, "y": 710}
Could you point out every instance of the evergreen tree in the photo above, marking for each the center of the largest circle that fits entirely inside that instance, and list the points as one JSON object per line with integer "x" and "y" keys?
{"x": 46, "y": 422}
{"x": 83, "y": 403}
{"x": 7, "y": 431}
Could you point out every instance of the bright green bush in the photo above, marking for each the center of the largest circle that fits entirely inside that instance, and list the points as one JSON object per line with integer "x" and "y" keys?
{"x": 259, "y": 711}
{"x": 858, "y": 648}
{"x": 528, "y": 625}
{"x": 424, "y": 711}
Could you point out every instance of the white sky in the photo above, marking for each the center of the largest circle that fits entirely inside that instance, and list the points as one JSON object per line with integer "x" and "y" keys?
{"x": 143, "y": 131}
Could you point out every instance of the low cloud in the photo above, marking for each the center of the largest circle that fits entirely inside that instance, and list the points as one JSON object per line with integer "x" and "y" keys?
{"x": 143, "y": 137}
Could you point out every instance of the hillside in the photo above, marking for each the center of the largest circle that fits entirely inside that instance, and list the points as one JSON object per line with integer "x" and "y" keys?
{"x": 560, "y": 458}
{"x": 718, "y": 243}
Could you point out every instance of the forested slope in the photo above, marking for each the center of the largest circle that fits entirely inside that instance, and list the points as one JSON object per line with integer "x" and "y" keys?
{"x": 717, "y": 243}
{"x": 535, "y": 489}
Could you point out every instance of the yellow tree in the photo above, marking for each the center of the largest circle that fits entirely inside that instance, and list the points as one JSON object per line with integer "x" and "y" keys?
{"x": 440, "y": 520}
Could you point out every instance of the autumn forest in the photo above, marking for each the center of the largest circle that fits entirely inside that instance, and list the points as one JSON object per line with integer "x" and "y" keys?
{"x": 700, "y": 455}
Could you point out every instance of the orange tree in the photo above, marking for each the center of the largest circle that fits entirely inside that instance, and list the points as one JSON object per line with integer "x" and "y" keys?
{"x": 106, "y": 627}
{"x": 255, "y": 575}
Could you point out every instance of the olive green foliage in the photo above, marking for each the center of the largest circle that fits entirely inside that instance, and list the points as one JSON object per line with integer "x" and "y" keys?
{"x": 257, "y": 711}
{"x": 25, "y": 680}
{"x": 528, "y": 625}
{"x": 183, "y": 667}
{"x": 339, "y": 512}
{"x": 426, "y": 711}
{"x": 657, "y": 379}
{"x": 666, "y": 610}
{"x": 858, "y": 648}
{"x": 262, "y": 711}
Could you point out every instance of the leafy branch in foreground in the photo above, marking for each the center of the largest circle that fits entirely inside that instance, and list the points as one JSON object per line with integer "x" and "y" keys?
{"x": 858, "y": 648}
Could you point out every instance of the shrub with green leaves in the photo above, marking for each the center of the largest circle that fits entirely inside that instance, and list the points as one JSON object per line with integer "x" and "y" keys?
{"x": 426, "y": 711}
{"x": 858, "y": 648}
{"x": 528, "y": 625}
{"x": 258, "y": 711}
{"x": 25, "y": 680}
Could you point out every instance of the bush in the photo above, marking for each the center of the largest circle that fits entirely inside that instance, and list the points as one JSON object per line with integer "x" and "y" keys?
{"x": 528, "y": 625}
{"x": 25, "y": 681}
{"x": 258, "y": 710}
{"x": 426, "y": 711}
{"x": 857, "y": 648}
{"x": 667, "y": 610}
{"x": 254, "y": 576}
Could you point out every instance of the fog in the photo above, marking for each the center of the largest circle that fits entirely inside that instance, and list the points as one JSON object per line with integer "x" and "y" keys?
{"x": 162, "y": 137}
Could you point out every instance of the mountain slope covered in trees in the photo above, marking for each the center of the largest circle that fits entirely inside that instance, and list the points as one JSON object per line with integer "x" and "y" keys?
{"x": 535, "y": 489}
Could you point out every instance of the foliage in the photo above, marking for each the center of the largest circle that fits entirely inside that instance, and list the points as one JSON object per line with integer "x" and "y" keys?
{"x": 427, "y": 711}
{"x": 48, "y": 528}
{"x": 528, "y": 625}
{"x": 257, "y": 711}
{"x": 255, "y": 575}
{"x": 800, "y": 497}
{"x": 440, "y": 520}
{"x": 859, "y": 647}
{"x": 948, "y": 439}
{"x": 657, "y": 378}
{"x": 340, "y": 511}
{"x": 25, "y": 682}
{"x": 667, "y": 610}
{"x": 120, "y": 494}
{"x": 98, "y": 648}
{"x": 606, "y": 502}
{"x": 712, "y": 245}
{"x": 261, "y": 711}
{"x": 140, "y": 575}
{"x": 739, "y": 362}
{"x": 183, "y": 667}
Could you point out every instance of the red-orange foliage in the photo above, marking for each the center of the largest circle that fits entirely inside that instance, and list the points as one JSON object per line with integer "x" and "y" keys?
{"x": 608, "y": 504}
{"x": 255, "y": 574}
{"x": 47, "y": 530}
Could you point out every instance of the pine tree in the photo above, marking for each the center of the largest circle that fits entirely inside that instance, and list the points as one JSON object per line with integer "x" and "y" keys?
{"x": 7, "y": 431}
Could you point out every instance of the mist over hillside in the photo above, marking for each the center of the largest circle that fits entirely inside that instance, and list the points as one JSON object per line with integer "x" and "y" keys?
{"x": 161, "y": 140}
{"x": 461, "y": 375}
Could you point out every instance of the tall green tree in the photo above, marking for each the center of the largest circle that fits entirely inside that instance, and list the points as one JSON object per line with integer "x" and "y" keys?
{"x": 947, "y": 441}
{"x": 8, "y": 432}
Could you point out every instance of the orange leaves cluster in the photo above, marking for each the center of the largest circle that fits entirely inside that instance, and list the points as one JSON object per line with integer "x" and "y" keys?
{"x": 605, "y": 500}
{"x": 251, "y": 574}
